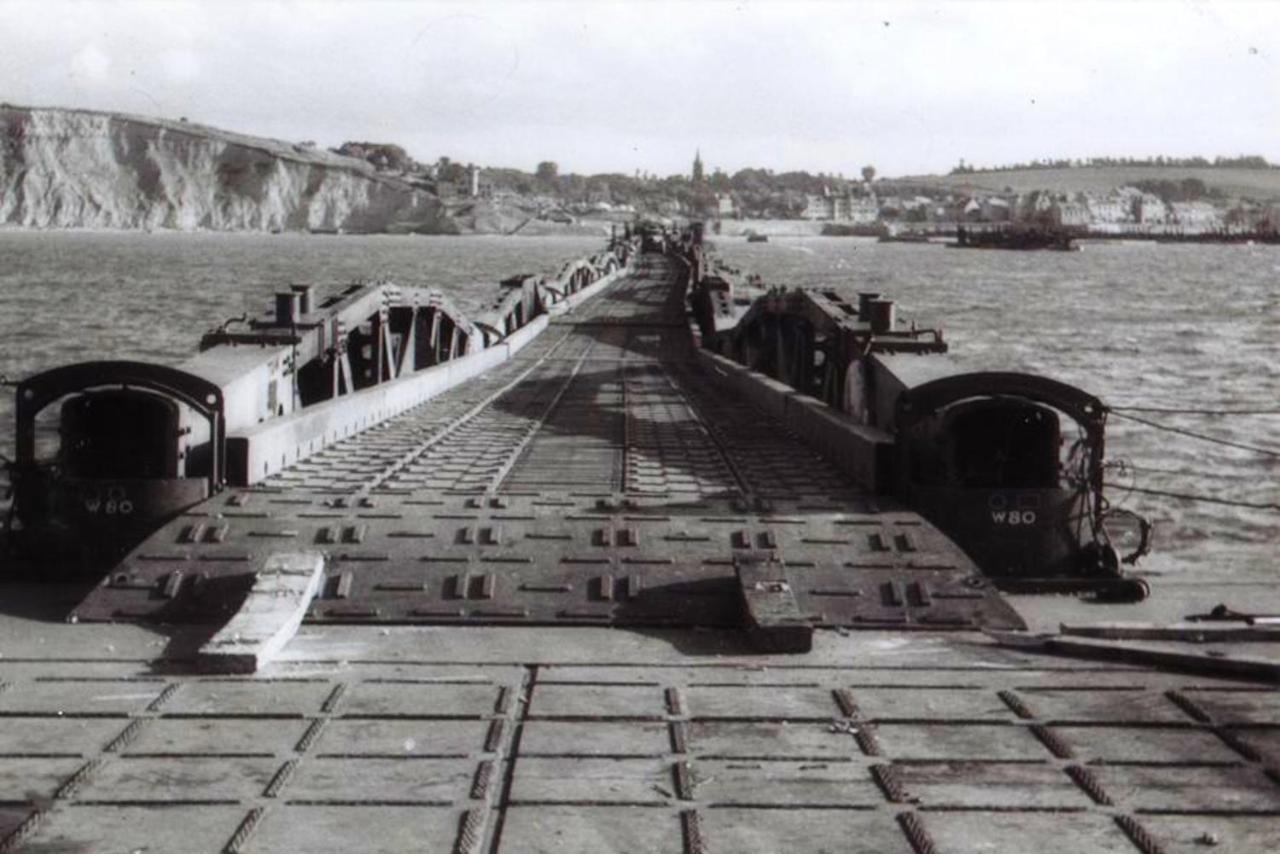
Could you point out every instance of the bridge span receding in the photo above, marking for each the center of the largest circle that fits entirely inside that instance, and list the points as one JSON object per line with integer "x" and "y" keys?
{"x": 604, "y": 475}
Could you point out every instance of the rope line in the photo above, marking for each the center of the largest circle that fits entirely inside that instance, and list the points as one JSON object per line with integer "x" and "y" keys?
{"x": 1169, "y": 410}
{"x": 1270, "y": 452}
{"x": 1127, "y": 467}
{"x": 1187, "y": 496}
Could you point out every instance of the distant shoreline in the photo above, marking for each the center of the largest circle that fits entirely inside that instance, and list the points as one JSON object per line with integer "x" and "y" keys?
{"x": 9, "y": 228}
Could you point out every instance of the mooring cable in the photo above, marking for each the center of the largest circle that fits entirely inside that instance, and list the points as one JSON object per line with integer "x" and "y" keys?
{"x": 1171, "y": 410}
{"x": 1130, "y": 467}
{"x": 1187, "y": 496}
{"x": 1270, "y": 452}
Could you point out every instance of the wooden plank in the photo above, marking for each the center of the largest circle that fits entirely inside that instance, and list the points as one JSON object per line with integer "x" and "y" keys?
{"x": 270, "y": 616}
{"x": 1199, "y": 632}
{"x": 771, "y": 615}
{"x": 1143, "y": 655}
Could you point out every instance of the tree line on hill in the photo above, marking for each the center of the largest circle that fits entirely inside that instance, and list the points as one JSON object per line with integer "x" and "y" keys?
{"x": 1243, "y": 161}
{"x": 755, "y": 192}
{"x": 760, "y": 192}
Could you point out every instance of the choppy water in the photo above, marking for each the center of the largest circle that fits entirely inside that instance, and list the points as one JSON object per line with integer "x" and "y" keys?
{"x": 1166, "y": 325}
{"x": 1180, "y": 326}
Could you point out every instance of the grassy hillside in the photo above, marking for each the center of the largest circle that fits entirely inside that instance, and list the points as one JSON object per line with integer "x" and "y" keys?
{"x": 1261, "y": 184}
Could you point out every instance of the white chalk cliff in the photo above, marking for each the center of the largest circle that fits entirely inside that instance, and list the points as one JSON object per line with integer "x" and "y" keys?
{"x": 83, "y": 169}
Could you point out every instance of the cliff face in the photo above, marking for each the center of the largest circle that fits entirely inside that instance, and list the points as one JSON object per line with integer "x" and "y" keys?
{"x": 81, "y": 169}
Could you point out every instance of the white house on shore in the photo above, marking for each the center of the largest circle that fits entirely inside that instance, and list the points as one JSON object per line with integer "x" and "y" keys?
{"x": 1068, "y": 213}
{"x": 1108, "y": 210}
{"x": 1150, "y": 209}
{"x": 1197, "y": 216}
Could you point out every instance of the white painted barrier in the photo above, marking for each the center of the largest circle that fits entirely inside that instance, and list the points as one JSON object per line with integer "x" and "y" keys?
{"x": 262, "y": 450}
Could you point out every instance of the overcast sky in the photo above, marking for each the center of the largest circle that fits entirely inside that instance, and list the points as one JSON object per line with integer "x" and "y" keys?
{"x": 908, "y": 87}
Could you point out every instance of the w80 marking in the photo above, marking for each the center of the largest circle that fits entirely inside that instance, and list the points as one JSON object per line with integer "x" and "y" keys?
{"x": 117, "y": 502}
{"x": 1013, "y": 517}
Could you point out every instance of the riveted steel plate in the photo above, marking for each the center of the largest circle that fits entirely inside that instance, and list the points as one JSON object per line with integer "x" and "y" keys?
{"x": 788, "y": 703}
{"x": 1178, "y": 834}
{"x": 167, "y": 829}
{"x": 88, "y": 697}
{"x": 595, "y": 738}
{"x": 406, "y": 779}
{"x": 11, "y": 818}
{"x": 1218, "y": 789}
{"x": 31, "y": 778}
{"x": 239, "y": 697}
{"x": 990, "y": 785}
{"x": 885, "y": 703}
{"x": 216, "y": 736}
{"x": 1171, "y": 745}
{"x": 597, "y": 701}
{"x": 975, "y": 742}
{"x": 339, "y": 829}
{"x": 181, "y": 778}
{"x": 1012, "y": 832}
{"x": 597, "y": 780}
{"x": 790, "y": 783}
{"x": 1265, "y": 742}
{"x": 1248, "y": 706}
{"x": 810, "y": 831}
{"x": 398, "y": 738}
{"x": 55, "y": 735}
{"x": 1090, "y": 705}
{"x": 545, "y": 829}
{"x": 816, "y": 740}
{"x": 694, "y": 755}
{"x": 410, "y": 699}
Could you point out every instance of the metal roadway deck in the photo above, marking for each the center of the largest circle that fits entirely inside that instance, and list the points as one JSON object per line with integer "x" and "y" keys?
{"x": 600, "y": 477}
{"x": 603, "y": 475}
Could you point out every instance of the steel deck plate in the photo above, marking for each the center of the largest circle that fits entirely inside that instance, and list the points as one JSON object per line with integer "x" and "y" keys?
{"x": 640, "y": 755}
{"x": 602, "y": 476}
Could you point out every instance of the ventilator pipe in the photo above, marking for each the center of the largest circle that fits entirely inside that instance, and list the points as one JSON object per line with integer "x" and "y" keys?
{"x": 882, "y": 315}
{"x": 286, "y": 307}
{"x": 304, "y": 293}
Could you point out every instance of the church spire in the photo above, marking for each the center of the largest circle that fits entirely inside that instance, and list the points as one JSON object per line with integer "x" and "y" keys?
{"x": 697, "y": 165}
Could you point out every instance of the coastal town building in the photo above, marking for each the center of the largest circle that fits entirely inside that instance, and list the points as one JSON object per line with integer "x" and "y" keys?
{"x": 891, "y": 207}
{"x": 996, "y": 209}
{"x": 818, "y": 206}
{"x": 1036, "y": 206}
{"x": 1199, "y": 216}
{"x": 1069, "y": 214}
{"x": 1150, "y": 209}
{"x": 859, "y": 210}
{"x": 1108, "y": 209}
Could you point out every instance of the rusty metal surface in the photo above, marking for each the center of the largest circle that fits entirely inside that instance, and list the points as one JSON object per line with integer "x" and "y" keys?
{"x": 636, "y": 755}
{"x": 600, "y": 476}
